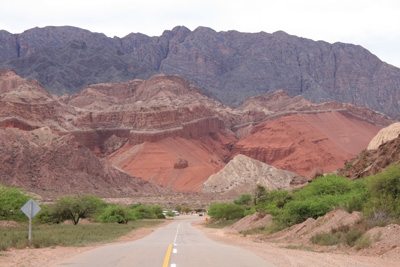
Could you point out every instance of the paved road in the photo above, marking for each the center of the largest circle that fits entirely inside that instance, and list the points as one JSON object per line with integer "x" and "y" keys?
{"x": 176, "y": 245}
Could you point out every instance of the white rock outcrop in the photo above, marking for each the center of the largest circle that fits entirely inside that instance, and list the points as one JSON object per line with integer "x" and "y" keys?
{"x": 242, "y": 174}
{"x": 385, "y": 135}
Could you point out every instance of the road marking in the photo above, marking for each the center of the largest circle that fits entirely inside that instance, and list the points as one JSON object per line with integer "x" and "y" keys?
{"x": 175, "y": 251}
{"x": 177, "y": 232}
{"x": 173, "y": 265}
{"x": 166, "y": 260}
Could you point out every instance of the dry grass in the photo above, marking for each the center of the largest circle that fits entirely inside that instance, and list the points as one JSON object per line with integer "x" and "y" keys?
{"x": 67, "y": 235}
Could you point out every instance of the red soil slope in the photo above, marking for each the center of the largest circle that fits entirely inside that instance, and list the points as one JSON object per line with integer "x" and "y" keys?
{"x": 301, "y": 142}
{"x": 154, "y": 161}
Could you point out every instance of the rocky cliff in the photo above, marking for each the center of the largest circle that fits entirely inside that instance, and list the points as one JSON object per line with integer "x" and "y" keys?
{"x": 230, "y": 66}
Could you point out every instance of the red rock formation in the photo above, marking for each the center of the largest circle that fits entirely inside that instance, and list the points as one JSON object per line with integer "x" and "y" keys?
{"x": 50, "y": 165}
{"x": 27, "y": 105}
{"x": 145, "y": 127}
{"x": 302, "y": 142}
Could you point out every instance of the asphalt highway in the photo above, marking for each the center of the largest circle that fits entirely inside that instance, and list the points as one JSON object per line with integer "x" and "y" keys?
{"x": 176, "y": 245}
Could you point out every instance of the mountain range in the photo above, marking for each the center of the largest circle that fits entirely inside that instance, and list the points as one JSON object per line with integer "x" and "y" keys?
{"x": 162, "y": 135}
{"x": 230, "y": 67}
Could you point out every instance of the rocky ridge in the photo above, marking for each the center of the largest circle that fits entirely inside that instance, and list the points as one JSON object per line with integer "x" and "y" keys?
{"x": 230, "y": 66}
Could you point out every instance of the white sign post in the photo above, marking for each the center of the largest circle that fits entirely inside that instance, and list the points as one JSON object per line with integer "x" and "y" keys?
{"x": 30, "y": 209}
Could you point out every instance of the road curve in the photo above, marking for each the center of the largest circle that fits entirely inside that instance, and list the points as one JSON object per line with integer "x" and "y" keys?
{"x": 176, "y": 245}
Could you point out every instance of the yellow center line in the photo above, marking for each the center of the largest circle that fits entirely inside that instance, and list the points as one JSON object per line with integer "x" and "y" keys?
{"x": 168, "y": 256}
{"x": 166, "y": 260}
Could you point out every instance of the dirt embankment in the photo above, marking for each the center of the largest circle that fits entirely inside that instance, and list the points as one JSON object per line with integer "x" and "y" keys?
{"x": 292, "y": 246}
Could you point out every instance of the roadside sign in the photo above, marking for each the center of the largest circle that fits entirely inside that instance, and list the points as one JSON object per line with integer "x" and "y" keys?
{"x": 31, "y": 208}
{"x": 27, "y": 208}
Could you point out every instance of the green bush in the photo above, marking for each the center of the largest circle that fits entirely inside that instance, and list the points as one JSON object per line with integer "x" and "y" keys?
{"x": 243, "y": 199}
{"x": 157, "y": 210}
{"x": 142, "y": 212}
{"x": 315, "y": 200}
{"x": 226, "y": 211}
{"x": 170, "y": 214}
{"x": 76, "y": 207}
{"x": 322, "y": 186}
{"x": 50, "y": 215}
{"x": 114, "y": 214}
{"x": 385, "y": 193}
{"x": 11, "y": 201}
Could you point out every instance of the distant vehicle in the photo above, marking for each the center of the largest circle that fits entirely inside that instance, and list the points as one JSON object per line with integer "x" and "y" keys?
{"x": 164, "y": 212}
{"x": 200, "y": 214}
{"x": 176, "y": 213}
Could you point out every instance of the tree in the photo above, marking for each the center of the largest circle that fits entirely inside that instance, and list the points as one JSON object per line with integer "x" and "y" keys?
{"x": 243, "y": 199}
{"x": 157, "y": 210}
{"x": 259, "y": 193}
{"x": 170, "y": 214}
{"x": 76, "y": 207}
{"x": 11, "y": 201}
{"x": 178, "y": 208}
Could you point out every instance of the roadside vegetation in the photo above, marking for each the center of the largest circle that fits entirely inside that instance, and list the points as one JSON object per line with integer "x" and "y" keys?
{"x": 377, "y": 197}
{"x": 107, "y": 221}
{"x": 44, "y": 235}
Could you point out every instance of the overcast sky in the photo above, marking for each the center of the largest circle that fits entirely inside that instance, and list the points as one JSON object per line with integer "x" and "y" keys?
{"x": 372, "y": 24}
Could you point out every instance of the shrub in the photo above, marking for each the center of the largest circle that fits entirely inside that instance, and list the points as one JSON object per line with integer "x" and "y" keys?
{"x": 243, "y": 199}
{"x": 322, "y": 186}
{"x": 385, "y": 193}
{"x": 50, "y": 215}
{"x": 226, "y": 211}
{"x": 352, "y": 236}
{"x": 76, "y": 207}
{"x": 142, "y": 212}
{"x": 325, "y": 239}
{"x": 157, "y": 210}
{"x": 11, "y": 201}
{"x": 114, "y": 214}
{"x": 170, "y": 214}
{"x": 354, "y": 204}
{"x": 363, "y": 242}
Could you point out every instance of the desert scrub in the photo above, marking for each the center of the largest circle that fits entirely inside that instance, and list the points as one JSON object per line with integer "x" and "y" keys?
{"x": 325, "y": 239}
{"x": 67, "y": 235}
{"x": 363, "y": 242}
{"x": 219, "y": 224}
{"x": 253, "y": 231}
{"x": 341, "y": 235}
